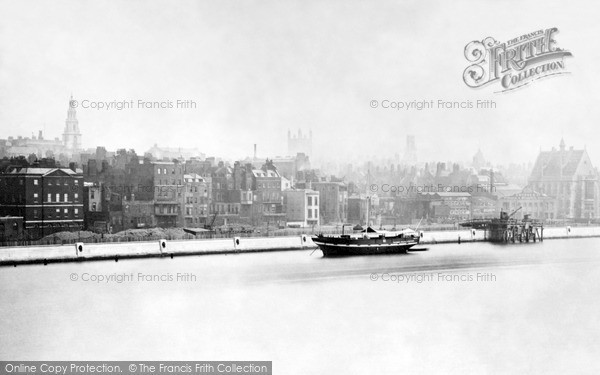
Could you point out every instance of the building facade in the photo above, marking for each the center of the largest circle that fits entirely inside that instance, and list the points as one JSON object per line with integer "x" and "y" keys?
{"x": 446, "y": 208}
{"x": 48, "y": 199}
{"x": 268, "y": 197}
{"x": 197, "y": 193}
{"x": 301, "y": 207}
{"x": 529, "y": 202}
{"x": 568, "y": 176}
{"x": 168, "y": 178}
{"x": 333, "y": 202}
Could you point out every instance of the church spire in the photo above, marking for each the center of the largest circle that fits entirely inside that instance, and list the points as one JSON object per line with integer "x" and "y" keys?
{"x": 71, "y": 134}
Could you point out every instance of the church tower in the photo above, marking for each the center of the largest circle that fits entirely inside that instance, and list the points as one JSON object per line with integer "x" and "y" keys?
{"x": 71, "y": 134}
{"x": 410, "y": 154}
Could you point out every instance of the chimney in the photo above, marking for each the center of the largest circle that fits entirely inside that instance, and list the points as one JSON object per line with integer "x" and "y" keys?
{"x": 73, "y": 166}
{"x": 255, "y": 151}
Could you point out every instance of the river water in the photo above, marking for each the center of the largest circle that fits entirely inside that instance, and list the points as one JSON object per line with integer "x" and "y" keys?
{"x": 469, "y": 308}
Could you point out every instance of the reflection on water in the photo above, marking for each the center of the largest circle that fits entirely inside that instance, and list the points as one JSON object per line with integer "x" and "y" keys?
{"x": 314, "y": 315}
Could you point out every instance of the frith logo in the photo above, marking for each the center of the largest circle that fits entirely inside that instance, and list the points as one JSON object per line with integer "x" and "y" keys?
{"x": 515, "y": 63}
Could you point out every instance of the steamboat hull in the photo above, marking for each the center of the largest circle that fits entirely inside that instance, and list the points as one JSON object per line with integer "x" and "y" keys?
{"x": 345, "y": 246}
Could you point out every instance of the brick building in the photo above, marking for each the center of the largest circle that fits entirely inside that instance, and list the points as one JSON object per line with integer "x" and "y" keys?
{"x": 537, "y": 205}
{"x": 333, "y": 202}
{"x": 168, "y": 191}
{"x": 197, "y": 194}
{"x": 48, "y": 199}
{"x": 301, "y": 207}
{"x": 267, "y": 195}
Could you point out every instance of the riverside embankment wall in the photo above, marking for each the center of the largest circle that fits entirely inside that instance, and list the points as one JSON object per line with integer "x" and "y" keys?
{"x": 138, "y": 249}
{"x": 162, "y": 248}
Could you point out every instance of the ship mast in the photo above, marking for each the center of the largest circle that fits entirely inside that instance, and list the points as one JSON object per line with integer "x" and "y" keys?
{"x": 367, "y": 192}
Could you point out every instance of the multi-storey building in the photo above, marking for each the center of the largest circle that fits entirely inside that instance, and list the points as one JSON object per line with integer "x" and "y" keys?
{"x": 268, "y": 198}
{"x": 301, "y": 207}
{"x": 168, "y": 193}
{"x": 48, "y": 199}
{"x": 529, "y": 202}
{"x": 484, "y": 206}
{"x": 570, "y": 178}
{"x": 197, "y": 193}
{"x": 96, "y": 213}
{"x": 226, "y": 199}
{"x": 333, "y": 201}
{"x": 445, "y": 207}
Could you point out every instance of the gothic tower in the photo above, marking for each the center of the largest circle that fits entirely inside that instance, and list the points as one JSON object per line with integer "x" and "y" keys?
{"x": 71, "y": 134}
{"x": 410, "y": 154}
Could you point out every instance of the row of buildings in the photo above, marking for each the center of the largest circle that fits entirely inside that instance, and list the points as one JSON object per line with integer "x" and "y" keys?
{"x": 563, "y": 186}
{"x": 145, "y": 193}
{"x": 175, "y": 187}
{"x": 129, "y": 192}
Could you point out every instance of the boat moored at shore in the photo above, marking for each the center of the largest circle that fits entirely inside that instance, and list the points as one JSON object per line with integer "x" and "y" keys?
{"x": 367, "y": 242}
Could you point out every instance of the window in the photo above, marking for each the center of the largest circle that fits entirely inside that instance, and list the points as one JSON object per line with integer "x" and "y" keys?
{"x": 35, "y": 182}
{"x": 35, "y": 195}
{"x": 58, "y": 210}
{"x": 66, "y": 197}
{"x": 76, "y": 210}
{"x": 158, "y": 170}
{"x": 49, "y": 197}
{"x": 57, "y": 197}
{"x": 66, "y": 210}
{"x": 76, "y": 196}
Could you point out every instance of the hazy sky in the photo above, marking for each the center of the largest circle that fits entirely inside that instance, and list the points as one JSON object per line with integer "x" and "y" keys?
{"x": 258, "y": 68}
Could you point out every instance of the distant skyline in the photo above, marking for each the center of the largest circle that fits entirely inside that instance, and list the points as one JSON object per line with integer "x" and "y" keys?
{"x": 256, "y": 69}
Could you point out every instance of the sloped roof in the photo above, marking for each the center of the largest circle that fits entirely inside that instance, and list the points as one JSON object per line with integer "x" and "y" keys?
{"x": 193, "y": 176}
{"x": 42, "y": 171}
{"x": 263, "y": 173}
{"x": 557, "y": 163}
{"x": 445, "y": 194}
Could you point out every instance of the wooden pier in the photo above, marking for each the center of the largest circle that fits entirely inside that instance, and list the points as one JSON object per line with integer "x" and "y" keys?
{"x": 506, "y": 229}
